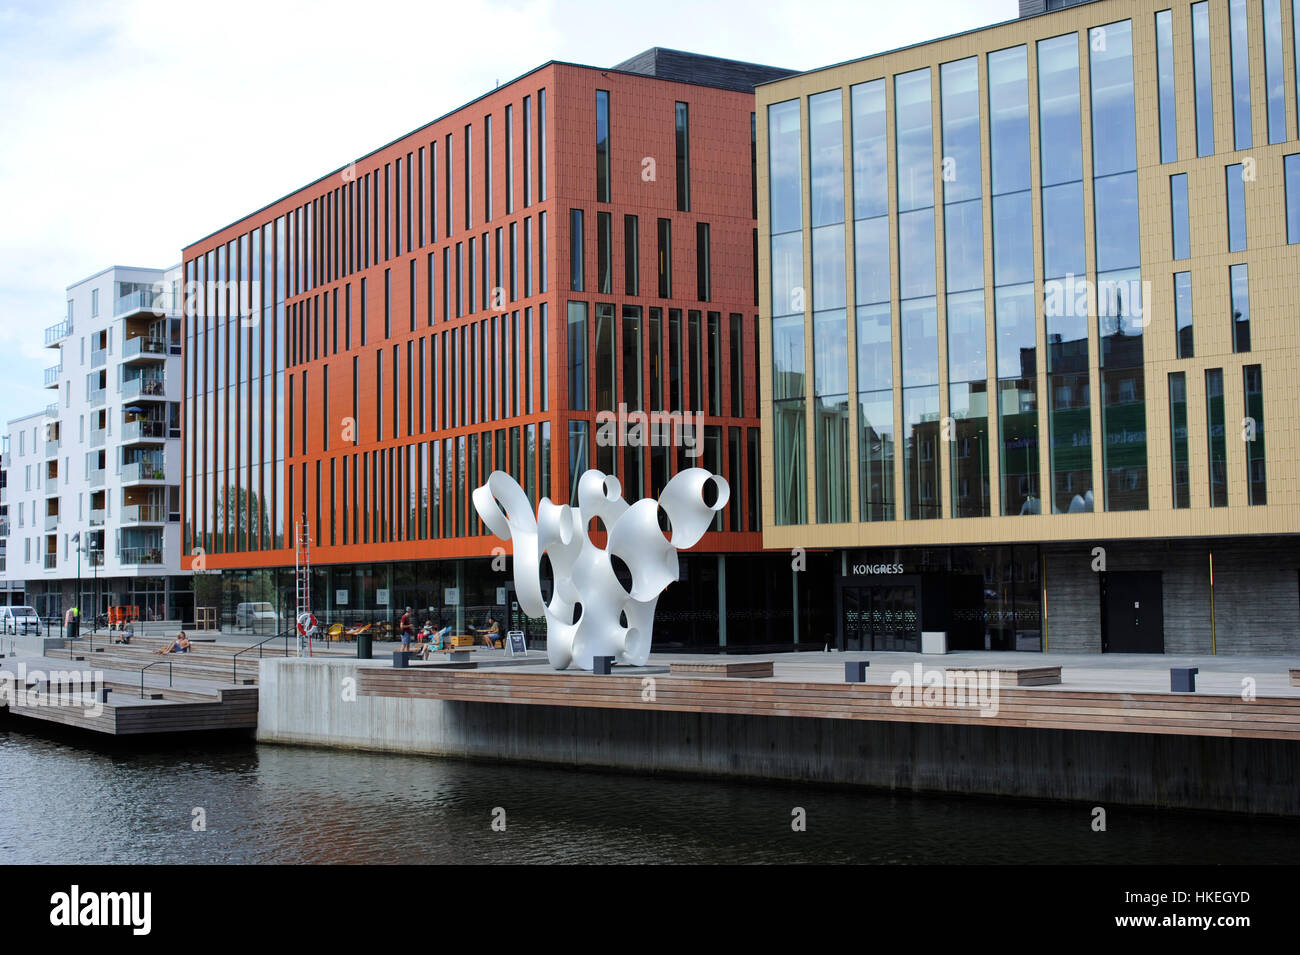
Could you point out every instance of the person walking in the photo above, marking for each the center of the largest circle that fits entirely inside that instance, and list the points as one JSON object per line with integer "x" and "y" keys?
{"x": 408, "y": 631}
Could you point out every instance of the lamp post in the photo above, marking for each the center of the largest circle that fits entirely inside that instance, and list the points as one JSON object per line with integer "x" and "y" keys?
{"x": 76, "y": 598}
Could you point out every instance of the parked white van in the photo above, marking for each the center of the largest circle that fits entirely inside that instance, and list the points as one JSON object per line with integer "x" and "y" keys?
{"x": 258, "y": 617}
{"x": 20, "y": 620}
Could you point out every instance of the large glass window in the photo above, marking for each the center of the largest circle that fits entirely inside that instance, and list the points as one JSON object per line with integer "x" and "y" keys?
{"x": 577, "y": 337}
{"x": 1273, "y": 68}
{"x": 826, "y": 158}
{"x": 602, "y": 146}
{"x": 1239, "y": 283}
{"x": 870, "y": 156}
{"x": 604, "y": 253}
{"x": 1236, "y": 190}
{"x": 789, "y": 436}
{"x": 1180, "y": 222}
{"x": 576, "y": 251}
{"x": 1240, "y": 46}
{"x": 1123, "y": 407}
{"x": 1216, "y": 431}
{"x": 1183, "y": 314}
{"x": 1203, "y": 78}
{"x": 1253, "y": 431}
{"x": 921, "y": 433}
{"x": 914, "y": 141}
{"x": 1058, "y": 105}
{"x": 1178, "y": 433}
{"x": 682, "y": 133}
{"x": 784, "y": 167}
{"x": 1291, "y": 164}
{"x": 1168, "y": 95}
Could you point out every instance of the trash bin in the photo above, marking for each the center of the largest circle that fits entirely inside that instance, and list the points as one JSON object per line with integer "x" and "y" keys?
{"x": 363, "y": 646}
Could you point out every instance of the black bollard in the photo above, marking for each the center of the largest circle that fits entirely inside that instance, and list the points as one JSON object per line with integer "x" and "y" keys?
{"x": 602, "y": 665}
{"x": 855, "y": 671}
{"x": 1183, "y": 679}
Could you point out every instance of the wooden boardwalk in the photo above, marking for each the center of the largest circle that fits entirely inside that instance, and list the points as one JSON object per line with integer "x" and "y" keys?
{"x": 188, "y": 706}
{"x": 1046, "y": 707}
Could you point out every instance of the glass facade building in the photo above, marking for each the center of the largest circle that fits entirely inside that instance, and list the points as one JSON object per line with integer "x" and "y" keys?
{"x": 1066, "y": 231}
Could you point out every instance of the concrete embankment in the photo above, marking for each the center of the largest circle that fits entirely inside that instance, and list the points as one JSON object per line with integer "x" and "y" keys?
{"x": 327, "y": 703}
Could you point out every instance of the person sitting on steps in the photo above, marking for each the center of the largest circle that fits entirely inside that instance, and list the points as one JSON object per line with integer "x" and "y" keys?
{"x": 180, "y": 645}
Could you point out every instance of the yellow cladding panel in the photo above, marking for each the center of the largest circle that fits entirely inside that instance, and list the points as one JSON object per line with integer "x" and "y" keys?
{"x": 1272, "y": 263}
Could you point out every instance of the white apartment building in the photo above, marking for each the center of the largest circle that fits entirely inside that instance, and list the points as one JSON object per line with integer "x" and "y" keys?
{"x": 93, "y": 481}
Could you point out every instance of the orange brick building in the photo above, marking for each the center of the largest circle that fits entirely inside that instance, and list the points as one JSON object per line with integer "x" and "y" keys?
{"x": 485, "y": 293}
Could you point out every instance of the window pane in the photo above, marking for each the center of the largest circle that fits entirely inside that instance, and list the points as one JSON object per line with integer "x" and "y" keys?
{"x": 1058, "y": 104}
{"x": 914, "y": 141}
{"x": 784, "y": 166}
{"x": 1063, "y": 230}
{"x": 1202, "y": 78}
{"x": 876, "y": 455}
{"x": 1115, "y": 210}
{"x": 1013, "y": 239}
{"x": 1180, "y": 224}
{"x": 826, "y": 157}
{"x": 1215, "y": 428}
{"x": 1240, "y": 47}
{"x": 871, "y": 251}
{"x": 920, "y": 341}
{"x": 1273, "y": 71}
{"x": 1236, "y": 190}
{"x": 960, "y": 108}
{"x": 1183, "y": 315}
{"x": 1256, "y": 482}
{"x": 870, "y": 176}
{"x": 966, "y": 337}
{"x": 1240, "y": 286}
{"x": 921, "y": 453}
{"x": 1114, "y": 137}
{"x": 969, "y": 408}
{"x": 916, "y": 253}
{"x": 1178, "y": 430}
{"x": 1292, "y": 165}
{"x": 875, "y": 348}
{"x": 1168, "y": 96}
{"x": 963, "y": 240}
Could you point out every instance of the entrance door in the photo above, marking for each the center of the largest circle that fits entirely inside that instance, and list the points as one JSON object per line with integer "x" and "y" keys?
{"x": 880, "y": 617}
{"x": 1133, "y": 618}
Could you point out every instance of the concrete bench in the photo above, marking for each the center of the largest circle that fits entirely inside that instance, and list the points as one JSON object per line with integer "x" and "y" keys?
{"x": 750, "y": 669}
{"x": 1295, "y": 677}
{"x": 1016, "y": 676}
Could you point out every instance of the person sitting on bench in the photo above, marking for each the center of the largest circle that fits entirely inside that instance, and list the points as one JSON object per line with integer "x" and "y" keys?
{"x": 490, "y": 633}
{"x": 435, "y": 641}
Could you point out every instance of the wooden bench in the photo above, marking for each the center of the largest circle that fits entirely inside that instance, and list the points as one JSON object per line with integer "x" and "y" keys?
{"x": 749, "y": 669}
{"x": 456, "y": 654}
{"x": 1016, "y": 676}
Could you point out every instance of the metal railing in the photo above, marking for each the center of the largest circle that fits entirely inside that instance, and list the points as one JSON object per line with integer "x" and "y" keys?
{"x": 156, "y": 663}
{"x": 51, "y": 561}
{"x": 159, "y": 303}
{"x": 149, "y": 469}
{"x": 140, "y": 555}
{"x": 96, "y": 477}
{"x": 97, "y": 437}
{"x": 234, "y": 661}
{"x": 52, "y": 448}
{"x": 52, "y": 374}
{"x": 144, "y": 514}
{"x": 148, "y": 386}
{"x": 96, "y": 396}
{"x": 52, "y": 410}
{"x": 96, "y": 517}
{"x": 98, "y": 357}
{"x": 144, "y": 428}
{"x": 144, "y": 345}
{"x": 58, "y": 331}
{"x": 51, "y": 521}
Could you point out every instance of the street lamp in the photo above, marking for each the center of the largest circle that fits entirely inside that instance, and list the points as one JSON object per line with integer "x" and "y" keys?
{"x": 76, "y": 598}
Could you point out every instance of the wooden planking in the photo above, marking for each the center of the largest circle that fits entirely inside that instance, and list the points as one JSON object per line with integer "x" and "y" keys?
{"x": 730, "y": 668}
{"x": 1272, "y": 718}
{"x": 1016, "y": 676}
{"x": 1295, "y": 677}
{"x": 126, "y": 714}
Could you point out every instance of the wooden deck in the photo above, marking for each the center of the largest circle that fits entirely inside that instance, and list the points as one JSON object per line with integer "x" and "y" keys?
{"x": 187, "y": 706}
{"x": 1049, "y": 707}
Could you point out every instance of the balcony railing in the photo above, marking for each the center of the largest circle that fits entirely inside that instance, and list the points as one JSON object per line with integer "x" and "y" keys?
{"x": 51, "y": 561}
{"x": 96, "y": 396}
{"x": 143, "y": 345}
{"x": 144, "y": 428}
{"x": 147, "y": 299}
{"x": 96, "y": 437}
{"x": 52, "y": 410}
{"x": 142, "y": 471}
{"x": 96, "y": 477}
{"x": 4, "y": 528}
{"x": 52, "y": 448}
{"x": 143, "y": 387}
{"x": 57, "y": 332}
{"x": 97, "y": 517}
{"x": 52, "y": 375}
{"x": 98, "y": 357}
{"x": 5, "y": 459}
{"x": 144, "y": 514}
{"x": 140, "y": 555}
{"x": 96, "y": 558}
{"x": 51, "y": 522}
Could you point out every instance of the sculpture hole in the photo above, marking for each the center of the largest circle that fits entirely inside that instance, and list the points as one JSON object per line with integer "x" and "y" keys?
{"x": 577, "y": 613}
{"x": 709, "y": 493}
{"x": 596, "y": 526}
{"x": 665, "y": 524}
{"x": 622, "y": 572}
{"x": 545, "y": 574}
{"x": 622, "y": 619}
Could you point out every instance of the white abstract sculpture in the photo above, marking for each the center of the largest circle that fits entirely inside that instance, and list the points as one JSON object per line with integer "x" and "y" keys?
{"x": 591, "y": 614}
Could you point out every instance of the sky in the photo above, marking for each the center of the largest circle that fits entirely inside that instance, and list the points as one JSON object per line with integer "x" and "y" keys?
{"x": 130, "y": 129}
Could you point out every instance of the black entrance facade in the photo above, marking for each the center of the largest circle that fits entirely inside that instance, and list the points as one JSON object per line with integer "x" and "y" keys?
{"x": 1132, "y": 612}
{"x": 880, "y": 613}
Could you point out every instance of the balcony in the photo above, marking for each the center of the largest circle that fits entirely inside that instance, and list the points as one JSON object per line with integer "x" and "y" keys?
{"x": 154, "y": 302}
{"x": 4, "y": 528}
{"x": 98, "y": 357}
{"x": 144, "y": 429}
{"x": 140, "y": 555}
{"x": 6, "y": 460}
{"x": 52, "y": 410}
{"x": 140, "y": 471}
{"x": 51, "y": 522}
{"x": 52, "y": 448}
{"x": 96, "y": 437}
{"x": 96, "y": 396}
{"x": 51, "y": 561}
{"x": 143, "y": 348}
{"x": 96, "y": 558}
{"x": 4, "y": 495}
{"x": 97, "y": 517}
{"x": 144, "y": 514}
{"x": 144, "y": 387}
{"x": 52, "y": 375}
{"x": 96, "y": 477}
{"x": 55, "y": 334}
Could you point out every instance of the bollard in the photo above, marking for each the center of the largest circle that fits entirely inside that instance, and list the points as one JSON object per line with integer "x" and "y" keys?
{"x": 103, "y": 693}
{"x": 855, "y": 671}
{"x": 400, "y": 659}
{"x": 602, "y": 665}
{"x": 1183, "y": 679}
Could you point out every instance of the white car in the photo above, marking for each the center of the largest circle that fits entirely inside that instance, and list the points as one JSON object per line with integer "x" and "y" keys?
{"x": 260, "y": 617}
{"x": 20, "y": 620}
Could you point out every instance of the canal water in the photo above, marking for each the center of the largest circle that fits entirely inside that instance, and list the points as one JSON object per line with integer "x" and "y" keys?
{"x": 69, "y": 799}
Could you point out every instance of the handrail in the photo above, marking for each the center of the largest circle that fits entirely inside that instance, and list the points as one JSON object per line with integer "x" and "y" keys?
{"x": 154, "y": 664}
{"x": 234, "y": 660}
